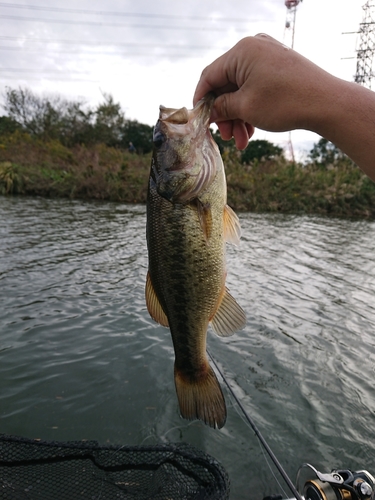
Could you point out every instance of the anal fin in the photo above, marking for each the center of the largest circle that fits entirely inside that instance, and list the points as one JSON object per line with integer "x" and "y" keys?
{"x": 229, "y": 317}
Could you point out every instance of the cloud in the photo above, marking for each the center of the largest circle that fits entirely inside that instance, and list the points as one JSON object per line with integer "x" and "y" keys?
{"x": 146, "y": 53}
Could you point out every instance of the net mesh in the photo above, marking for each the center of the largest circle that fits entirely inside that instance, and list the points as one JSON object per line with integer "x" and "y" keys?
{"x": 41, "y": 470}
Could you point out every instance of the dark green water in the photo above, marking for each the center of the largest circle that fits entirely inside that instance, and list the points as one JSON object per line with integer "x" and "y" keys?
{"x": 81, "y": 359}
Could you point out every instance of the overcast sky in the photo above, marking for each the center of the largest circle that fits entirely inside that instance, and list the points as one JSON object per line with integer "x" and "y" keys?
{"x": 146, "y": 53}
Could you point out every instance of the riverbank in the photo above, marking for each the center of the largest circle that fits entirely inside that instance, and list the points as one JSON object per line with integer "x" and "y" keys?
{"x": 31, "y": 167}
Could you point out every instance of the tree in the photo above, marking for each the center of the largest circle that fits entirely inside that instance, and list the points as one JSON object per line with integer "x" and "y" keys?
{"x": 325, "y": 153}
{"x": 76, "y": 125}
{"x": 139, "y": 134}
{"x": 38, "y": 116}
{"x": 71, "y": 122}
{"x": 109, "y": 122}
{"x": 260, "y": 149}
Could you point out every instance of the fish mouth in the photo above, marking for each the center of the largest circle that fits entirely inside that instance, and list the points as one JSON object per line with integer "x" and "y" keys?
{"x": 184, "y": 151}
{"x": 200, "y": 113}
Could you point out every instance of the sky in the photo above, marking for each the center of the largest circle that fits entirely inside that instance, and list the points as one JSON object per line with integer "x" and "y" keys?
{"x": 146, "y": 53}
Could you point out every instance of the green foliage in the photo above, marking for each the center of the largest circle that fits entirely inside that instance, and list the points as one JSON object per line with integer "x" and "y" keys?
{"x": 72, "y": 122}
{"x": 57, "y": 151}
{"x": 48, "y": 168}
{"x": 109, "y": 122}
{"x": 8, "y": 125}
{"x": 276, "y": 186}
{"x": 257, "y": 149}
{"x": 260, "y": 149}
{"x": 9, "y": 178}
{"x": 139, "y": 134}
{"x": 325, "y": 153}
{"x": 80, "y": 164}
{"x": 38, "y": 116}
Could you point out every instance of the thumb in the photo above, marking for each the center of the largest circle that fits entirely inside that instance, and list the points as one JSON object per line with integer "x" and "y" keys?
{"x": 227, "y": 107}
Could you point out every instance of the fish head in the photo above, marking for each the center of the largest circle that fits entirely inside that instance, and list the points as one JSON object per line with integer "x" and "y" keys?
{"x": 184, "y": 151}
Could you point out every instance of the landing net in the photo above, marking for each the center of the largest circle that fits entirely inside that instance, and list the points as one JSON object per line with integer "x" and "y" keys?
{"x": 44, "y": 470}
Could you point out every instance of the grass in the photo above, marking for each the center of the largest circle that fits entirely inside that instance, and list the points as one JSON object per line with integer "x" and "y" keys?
{"x": 50, "y": 169}
{"x": 32, "y": 167}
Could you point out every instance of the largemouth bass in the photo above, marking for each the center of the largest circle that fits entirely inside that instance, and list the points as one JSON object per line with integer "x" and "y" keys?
{"x": 188, "y": 223}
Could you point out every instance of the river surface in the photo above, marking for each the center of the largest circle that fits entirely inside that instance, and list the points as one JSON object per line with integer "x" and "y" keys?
{"x": 80, "y": 357}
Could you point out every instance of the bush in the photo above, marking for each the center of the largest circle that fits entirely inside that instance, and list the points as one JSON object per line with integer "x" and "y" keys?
{"x": 9, "y": 178}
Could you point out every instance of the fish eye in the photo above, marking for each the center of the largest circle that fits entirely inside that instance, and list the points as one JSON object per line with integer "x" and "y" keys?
{"x": 158, "y": 139}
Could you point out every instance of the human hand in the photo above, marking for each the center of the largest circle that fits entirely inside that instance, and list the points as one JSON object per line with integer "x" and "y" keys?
{"x": 262, "y": 83}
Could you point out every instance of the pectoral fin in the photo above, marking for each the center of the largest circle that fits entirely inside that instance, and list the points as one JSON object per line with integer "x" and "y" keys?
{"x": 229, "y": 317}
{"x": 232, "y": 228}
{"x": 153, "y": 305}
{"x": 205, "y": 217}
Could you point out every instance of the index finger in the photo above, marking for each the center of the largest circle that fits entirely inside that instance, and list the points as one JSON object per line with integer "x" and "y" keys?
{"x": 214, "y": 78}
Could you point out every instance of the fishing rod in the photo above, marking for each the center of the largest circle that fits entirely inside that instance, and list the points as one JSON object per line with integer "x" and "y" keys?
{"x": 338, "y": 484}
{"x": 259, "y": 435}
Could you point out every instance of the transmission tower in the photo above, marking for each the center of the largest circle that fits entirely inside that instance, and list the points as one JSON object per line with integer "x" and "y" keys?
{"x": 366, "y": 46}
{"x": 290, "y": 22}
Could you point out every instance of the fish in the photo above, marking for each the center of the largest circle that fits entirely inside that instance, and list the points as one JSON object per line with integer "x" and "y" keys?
{"x": 188, "y": 225}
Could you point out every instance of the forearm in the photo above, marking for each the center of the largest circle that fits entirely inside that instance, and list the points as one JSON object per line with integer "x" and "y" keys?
{"x": 261, "y": 83}
{"x": 346, "y": 116}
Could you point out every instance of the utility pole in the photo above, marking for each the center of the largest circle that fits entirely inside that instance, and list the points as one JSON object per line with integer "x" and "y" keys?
{"x": 290, "y": 22}
{"x": 366, "y": 46}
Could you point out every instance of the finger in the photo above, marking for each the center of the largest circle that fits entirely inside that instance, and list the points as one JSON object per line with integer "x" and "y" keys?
{"x": 240, "y": 134}
{"x": 226, "y": 130}
{"x": 227, "y": 107}
{"x": 250, "y": 130}
{"x": 203, "y": 87}
{"x": 213, "y": 77}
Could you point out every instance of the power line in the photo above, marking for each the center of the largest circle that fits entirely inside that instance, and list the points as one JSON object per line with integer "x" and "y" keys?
{"x": 38, "y": 70}
{"x": 44, "y": 74}
{"x": 49, "y": 78}
{"x": 103, "y": 53}
{"x": 116, "y": 25}
{"x": 119, "y": 44}
{"x": 123, "y": 14}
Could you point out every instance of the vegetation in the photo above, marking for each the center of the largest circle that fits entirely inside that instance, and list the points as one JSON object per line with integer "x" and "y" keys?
{"x": 48, "y": 168}
{"x": 51, "y": 147}
{"x": 73, "y": 122}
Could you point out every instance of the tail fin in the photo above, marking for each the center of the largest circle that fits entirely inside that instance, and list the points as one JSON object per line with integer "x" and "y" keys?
{"x": 201, "y": 397}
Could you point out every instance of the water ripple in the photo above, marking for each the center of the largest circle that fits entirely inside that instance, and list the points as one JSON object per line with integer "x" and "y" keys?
{"x": 80, "y": 357}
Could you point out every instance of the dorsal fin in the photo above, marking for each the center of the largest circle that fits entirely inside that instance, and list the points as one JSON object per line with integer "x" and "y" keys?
{"x": 229, "y": 317}
{"x": 153, "y": 305}
{"x": 232, "y": 228}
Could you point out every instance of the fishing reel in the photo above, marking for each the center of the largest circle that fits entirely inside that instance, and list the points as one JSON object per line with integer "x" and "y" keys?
{"x": 338, "y": 485}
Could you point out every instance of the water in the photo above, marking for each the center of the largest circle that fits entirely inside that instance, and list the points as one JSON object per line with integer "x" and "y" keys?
{"x": 81, "y": 359}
